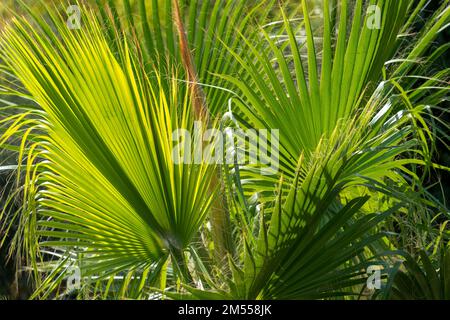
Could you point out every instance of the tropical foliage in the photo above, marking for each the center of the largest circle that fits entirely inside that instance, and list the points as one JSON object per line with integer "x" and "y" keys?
{"x": 101, "y": 202}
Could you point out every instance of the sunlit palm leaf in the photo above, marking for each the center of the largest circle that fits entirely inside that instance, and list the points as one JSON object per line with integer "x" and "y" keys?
{"x": 102, "y": 176}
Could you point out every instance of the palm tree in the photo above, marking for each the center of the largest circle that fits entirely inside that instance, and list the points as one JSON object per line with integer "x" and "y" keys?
{"x": 107, "y": 196}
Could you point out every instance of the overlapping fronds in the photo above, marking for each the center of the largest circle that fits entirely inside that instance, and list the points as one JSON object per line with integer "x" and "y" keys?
{"x": 94, "y": 118}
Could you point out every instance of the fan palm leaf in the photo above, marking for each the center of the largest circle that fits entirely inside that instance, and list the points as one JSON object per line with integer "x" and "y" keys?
{"x": 100, "y": 158}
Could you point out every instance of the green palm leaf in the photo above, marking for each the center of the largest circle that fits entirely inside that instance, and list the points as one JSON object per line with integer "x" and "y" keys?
{"x": 101, "y": 174}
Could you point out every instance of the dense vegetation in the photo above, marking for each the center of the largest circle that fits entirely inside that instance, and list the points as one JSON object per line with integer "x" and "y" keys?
{"x": 99, "y": 199}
